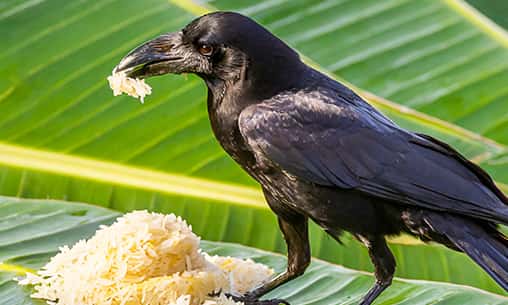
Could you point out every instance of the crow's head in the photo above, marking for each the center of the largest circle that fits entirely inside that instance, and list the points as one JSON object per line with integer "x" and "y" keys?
{"x": 220, "y": 46}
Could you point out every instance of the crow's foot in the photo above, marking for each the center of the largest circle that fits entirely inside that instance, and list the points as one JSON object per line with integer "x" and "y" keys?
{"x": 248, "y": 300}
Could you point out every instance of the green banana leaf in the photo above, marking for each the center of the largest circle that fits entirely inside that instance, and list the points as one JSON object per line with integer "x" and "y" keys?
{"x": 39, "y": 227}
{"x": 64, "y": 136}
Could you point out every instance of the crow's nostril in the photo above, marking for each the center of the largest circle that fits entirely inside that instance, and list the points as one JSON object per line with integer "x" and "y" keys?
{"x": 161, "y": 47}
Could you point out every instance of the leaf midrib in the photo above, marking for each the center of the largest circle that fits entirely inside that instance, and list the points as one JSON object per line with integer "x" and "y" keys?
{"x": 110, "y": 172}
{"x": 479, "y": 20}
{"x": 18, "y": 269}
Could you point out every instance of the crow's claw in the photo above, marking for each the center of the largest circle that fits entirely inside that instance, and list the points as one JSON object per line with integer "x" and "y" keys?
{"x": 247, "y": 300}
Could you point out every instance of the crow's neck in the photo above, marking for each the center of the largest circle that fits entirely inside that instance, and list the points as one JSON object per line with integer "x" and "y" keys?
{"x": 254, "y": 83}
{"x": 225, "y": 103}
{"x": 228, "y": 98}
{"x": 224, "y": 107}
{"x": 274, "y": 74}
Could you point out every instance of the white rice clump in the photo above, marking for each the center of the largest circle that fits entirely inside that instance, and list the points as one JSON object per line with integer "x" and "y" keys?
{"x": 143, "y": 259}
{"x": 134, "y": 87}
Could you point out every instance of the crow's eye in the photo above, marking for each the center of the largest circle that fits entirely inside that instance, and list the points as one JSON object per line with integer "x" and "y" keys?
{"x": 205, "y": 50}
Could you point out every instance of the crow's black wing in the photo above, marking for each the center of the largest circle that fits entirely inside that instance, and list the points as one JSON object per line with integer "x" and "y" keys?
{"x": 351, "y": 145}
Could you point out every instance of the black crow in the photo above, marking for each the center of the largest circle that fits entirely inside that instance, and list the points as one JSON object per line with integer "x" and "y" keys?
{"x": 321, "y": 152}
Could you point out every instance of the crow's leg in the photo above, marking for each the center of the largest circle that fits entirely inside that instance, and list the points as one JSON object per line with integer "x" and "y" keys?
{"x": 295, "y": 232}
{"x": 384, "y": 264}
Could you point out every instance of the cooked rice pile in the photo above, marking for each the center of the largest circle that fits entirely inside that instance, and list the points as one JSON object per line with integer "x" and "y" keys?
{"x": 134, "y": 87}
{"x": 143, "y": 259}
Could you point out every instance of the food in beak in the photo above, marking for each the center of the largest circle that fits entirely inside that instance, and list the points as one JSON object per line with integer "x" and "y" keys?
{"x": 135, "y": 87}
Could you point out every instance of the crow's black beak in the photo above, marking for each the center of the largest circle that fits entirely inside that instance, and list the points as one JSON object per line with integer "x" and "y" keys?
{"x": 155, "y": 57}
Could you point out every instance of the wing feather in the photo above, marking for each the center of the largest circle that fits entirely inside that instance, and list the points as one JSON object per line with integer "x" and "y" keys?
{"x": 349, "y": 146}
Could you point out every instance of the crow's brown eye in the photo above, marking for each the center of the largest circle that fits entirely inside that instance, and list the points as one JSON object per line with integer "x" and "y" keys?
{"x": 205, "y": 50}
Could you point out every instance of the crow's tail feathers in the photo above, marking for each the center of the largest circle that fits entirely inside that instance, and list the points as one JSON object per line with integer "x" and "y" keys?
{"x": 481, "y": 242}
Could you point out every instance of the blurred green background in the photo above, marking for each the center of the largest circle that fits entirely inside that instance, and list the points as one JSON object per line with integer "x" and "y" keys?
{"x": 496, "y": 10}
{"x": 435, "y": 66}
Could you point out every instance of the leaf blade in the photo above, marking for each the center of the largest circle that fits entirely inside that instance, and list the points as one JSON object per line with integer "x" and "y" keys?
{"x": 323, "y": 283}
